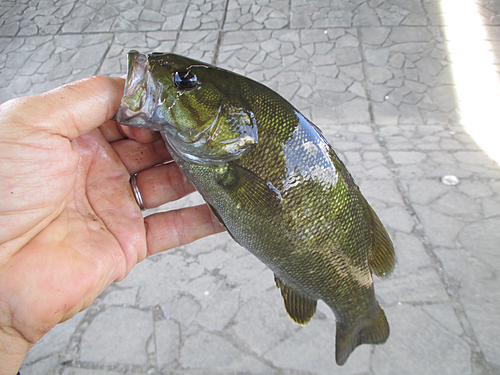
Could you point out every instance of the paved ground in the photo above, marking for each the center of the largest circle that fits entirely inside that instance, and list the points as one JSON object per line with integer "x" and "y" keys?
{"x": 377, "y": 77}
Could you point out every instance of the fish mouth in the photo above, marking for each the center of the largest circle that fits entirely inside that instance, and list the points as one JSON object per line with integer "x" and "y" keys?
{"x": 141, "y": 96}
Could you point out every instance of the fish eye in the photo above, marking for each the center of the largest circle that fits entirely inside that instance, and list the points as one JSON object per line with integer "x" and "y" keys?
{"x": 185, "y": 80}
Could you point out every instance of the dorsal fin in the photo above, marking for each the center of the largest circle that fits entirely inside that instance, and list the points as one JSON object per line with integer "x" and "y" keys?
{"x": 382, "y": 258}
{"x": 300, "y": 308}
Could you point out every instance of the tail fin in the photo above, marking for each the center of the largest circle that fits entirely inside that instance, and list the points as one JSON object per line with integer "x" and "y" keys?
{"x": 375, "y": 331}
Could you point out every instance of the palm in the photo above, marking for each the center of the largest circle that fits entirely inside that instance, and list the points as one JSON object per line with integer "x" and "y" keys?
{"x": 91, "y": 219}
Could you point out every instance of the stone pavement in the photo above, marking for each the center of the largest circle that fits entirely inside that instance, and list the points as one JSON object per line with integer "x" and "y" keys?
{"x": 377, "y": 77}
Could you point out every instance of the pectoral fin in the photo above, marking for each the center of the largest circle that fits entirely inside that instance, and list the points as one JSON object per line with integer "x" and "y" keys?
{"x": 248, "y": 193}
{"x": 247, "y": 188}
{"x": 300, "y": 308}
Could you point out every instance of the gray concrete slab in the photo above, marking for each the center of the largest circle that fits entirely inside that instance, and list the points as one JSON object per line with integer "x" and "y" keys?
{"x": 377, "y": 77}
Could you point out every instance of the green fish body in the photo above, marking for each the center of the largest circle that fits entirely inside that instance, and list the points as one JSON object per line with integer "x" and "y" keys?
{"x": 274, "y": 183}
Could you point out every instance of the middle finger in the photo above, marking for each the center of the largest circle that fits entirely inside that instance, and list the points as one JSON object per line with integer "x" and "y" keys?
{"x": 139, "y": 156}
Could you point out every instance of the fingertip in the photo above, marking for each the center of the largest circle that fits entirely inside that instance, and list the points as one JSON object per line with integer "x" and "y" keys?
{"x": 140, "y": 135}
{"x": 112, "y": 131}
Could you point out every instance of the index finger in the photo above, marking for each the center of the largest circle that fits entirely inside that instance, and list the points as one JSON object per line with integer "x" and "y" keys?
{"x": 70, "y": 110}
{"x": 114, "y": 131}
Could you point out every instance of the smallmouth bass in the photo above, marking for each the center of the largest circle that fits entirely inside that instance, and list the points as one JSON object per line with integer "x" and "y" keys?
{"x": 274, "y": 182}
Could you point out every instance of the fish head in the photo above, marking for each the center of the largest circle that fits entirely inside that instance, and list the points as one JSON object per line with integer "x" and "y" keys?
{"x": 197, "y": 107}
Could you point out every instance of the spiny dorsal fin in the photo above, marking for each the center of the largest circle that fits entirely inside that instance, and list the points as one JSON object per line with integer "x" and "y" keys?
{"x": 383, "y": 257}
{"x": 300, "y": 308}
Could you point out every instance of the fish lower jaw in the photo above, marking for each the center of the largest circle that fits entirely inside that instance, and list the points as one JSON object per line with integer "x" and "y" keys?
{"x": 142, "y": 95}
{"x": 126, "y": 116}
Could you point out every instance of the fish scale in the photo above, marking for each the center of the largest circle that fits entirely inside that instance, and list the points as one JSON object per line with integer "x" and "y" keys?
{"x": 275, "y": 184}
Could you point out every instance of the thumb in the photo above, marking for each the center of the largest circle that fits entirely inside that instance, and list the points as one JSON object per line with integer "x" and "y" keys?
{"x": 70, "y": 110}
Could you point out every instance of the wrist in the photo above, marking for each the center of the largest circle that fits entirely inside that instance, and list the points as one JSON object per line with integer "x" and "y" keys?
{"x": 13, "y": 349}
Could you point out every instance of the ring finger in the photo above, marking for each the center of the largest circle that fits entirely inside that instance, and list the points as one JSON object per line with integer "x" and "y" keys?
{"x": 162, "y": 184}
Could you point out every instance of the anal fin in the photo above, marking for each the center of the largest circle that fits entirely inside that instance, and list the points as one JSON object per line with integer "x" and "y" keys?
{"x": 300, "y": 308}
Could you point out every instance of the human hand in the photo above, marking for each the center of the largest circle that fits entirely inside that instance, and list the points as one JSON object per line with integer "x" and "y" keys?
{"x": 69, "y": 224}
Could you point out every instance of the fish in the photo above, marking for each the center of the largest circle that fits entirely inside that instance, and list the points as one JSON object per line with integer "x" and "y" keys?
{"x": 274, "y": 182}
